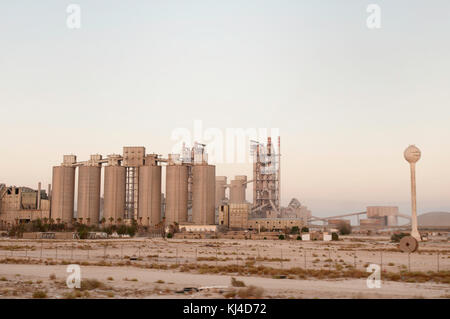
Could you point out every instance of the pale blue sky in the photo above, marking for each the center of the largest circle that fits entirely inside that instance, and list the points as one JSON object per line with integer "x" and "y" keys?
{"x": 347, "y": 100}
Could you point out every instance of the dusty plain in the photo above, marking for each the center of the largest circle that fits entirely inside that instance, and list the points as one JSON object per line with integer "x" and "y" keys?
{"x": 175, "y": 268}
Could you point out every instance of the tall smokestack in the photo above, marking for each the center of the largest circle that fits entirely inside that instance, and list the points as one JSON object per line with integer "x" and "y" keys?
{"x": 39, "y": 196}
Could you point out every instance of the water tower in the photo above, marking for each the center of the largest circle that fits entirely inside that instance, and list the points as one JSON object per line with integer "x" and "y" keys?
{"x": 412, "y": 155}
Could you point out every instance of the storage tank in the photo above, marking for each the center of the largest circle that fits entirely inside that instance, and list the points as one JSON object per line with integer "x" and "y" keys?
{"x": 221, "y": 185}
{"x": 63, "y": 193}
{"x": 149, "y": 208}
{"x": 237, "y": 189}
{"x": 114, "y": 189}
{"x": 89, "y": 179}
{"x": 176, "y": 193}
{"x": 203, "y": 194}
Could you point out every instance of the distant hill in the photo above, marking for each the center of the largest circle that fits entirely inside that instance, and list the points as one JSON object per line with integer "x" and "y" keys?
{"x": 435, "y": 219}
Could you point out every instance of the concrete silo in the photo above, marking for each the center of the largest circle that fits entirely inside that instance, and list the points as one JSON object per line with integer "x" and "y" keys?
{"x": 63, "y": 192}
{"x": 89, "y": 180}
{"x": 237, "y": 189}
{"x": 114, "y": 188}
{"x": 221, "y": 186}
{"x": 176, "y": 191}
{"x": 149, "y": 207}
{"x": 203, "y": 194}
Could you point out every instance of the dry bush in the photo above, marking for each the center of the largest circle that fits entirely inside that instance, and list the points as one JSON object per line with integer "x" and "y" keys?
{"x": 237, "y": 283}
{"x": 91, "y": 284}
{"x": 245, "y": 293}
{"x": 39, "y": 294}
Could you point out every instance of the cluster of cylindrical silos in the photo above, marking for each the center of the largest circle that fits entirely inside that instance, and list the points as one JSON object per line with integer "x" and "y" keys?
{"x": 237, "y": 189}
{"x": 177, "y": 192}
{"x": 141, "y": 176}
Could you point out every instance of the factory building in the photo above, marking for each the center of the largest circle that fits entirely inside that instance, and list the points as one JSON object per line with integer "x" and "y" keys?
{"x": 234, "y": 216}
{"x": 237, "y": 216}
{"x": 387, "y": 215}
{"x": 274, "y": 224}
{"x": 22, "y": 205}
{"x": 132, "y": 188}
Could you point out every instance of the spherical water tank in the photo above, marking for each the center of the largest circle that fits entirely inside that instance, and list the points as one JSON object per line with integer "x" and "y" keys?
{"x": 176, "y": 194}
{"x": 89, "y": 179}
{"x": 149, "y": 208}
{"x": 114, "y": 206}
{"x": 203, "y": 194}
{"x": 63, "y": 193}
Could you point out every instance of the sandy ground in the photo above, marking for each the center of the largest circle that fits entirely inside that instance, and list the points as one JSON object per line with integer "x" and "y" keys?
{"x": 142, "y": 283}
{"x": 146, "y": 285}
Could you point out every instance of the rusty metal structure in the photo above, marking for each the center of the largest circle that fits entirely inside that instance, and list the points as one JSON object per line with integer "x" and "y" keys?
{"x": 266, "y": 178}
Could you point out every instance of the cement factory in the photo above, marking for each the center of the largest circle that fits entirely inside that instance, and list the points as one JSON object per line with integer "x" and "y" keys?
{"x": 194, "y": 200}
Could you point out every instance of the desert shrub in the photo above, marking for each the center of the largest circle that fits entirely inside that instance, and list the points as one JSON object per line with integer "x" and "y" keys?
{"x": 83, "y": 233}
{"x": 250, "y": 292}
{"x": 305, "y": 230}
{"x": 39, "y": 294}
{"x": 90, "y": 284}
{"x": 334, "y": 236}
{"x": 299, "y": 237}
{"x": 345, "y": 229}
{"x": 237, "y": 283}
{"x": 295, "y": 230}
{"x": 281, "y": 237}
{"x": 52, "y": 276}
{"x": 169, "y": 235}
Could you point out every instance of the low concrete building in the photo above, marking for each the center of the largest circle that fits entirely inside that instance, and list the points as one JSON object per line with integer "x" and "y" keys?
{"x": 22, "y": 205}
{"x": 234, "y": 216}
{"x": 197, "y": 228}
{"x": 275, "y": 223}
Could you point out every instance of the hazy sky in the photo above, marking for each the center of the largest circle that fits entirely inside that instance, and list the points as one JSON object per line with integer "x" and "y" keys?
{"x": 347, "y": 99}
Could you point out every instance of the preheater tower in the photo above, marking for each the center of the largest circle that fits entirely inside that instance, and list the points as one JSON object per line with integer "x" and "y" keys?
{"x": 149, "y": 206}
{"x": 114, "y": 189}
{"x": 63, "y": 192}
{"x": 89, "y": 179}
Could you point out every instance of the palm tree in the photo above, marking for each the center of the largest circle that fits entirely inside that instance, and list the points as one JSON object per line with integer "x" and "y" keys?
{"x": 88, "y": 220}
{"x": 119, "y": 220}
{"x": 111, "y": 219}
{"x": 58, "y": 220}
